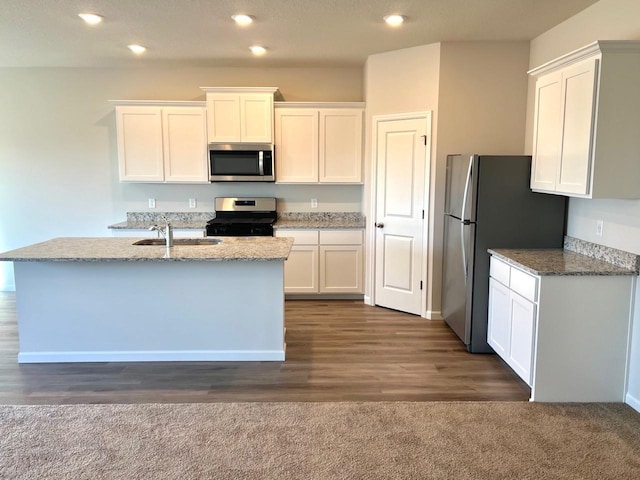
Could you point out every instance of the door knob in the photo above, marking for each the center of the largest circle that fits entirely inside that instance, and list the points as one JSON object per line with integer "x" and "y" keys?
{"x": 379, "y": 225}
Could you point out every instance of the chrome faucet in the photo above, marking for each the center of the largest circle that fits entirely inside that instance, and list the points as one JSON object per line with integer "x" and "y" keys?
{"x": 166, "y": 231}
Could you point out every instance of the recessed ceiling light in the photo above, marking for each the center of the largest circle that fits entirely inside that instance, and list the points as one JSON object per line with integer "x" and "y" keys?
{"x": 257, "y": 50}
{"x": 91, "y": 18}
{"x": 137, "y": 49}
{"x": 242, "y": 19}
{"x": 394, "y": 20}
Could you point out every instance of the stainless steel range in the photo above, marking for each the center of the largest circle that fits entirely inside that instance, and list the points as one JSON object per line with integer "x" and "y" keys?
{"x": 243, "y": 217}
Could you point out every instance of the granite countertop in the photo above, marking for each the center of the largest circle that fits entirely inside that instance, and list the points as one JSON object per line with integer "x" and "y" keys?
{"x": 556, "y": 261}
{"x": 319, "y": 220}
{"x": 75, "y": 249}
{"x": 144, "y": 225}
{"x": 286, "y": 220}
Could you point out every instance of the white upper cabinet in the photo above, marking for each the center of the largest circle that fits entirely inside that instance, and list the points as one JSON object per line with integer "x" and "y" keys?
{"x": 184, "y": 137}
{"x": 240, "y": 114}
{"x": 162, "y": 143}
{"x": 297, "y": 145}
{"x": 319, "y": 143}
{"x": 586, "y": 122}
{"x": 140, "y": 144}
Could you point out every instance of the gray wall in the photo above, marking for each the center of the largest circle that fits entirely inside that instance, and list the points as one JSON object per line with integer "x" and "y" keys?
{"x": 58, "y": 157}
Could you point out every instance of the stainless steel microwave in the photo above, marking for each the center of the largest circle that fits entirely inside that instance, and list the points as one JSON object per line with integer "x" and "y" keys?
{"x": 241, "y": 162}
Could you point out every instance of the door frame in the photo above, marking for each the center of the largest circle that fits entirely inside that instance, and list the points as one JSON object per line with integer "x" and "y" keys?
{"x": 376, "y": 120}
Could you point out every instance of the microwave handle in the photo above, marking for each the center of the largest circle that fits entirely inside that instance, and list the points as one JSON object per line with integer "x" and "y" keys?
{"x": 261, "y": 162}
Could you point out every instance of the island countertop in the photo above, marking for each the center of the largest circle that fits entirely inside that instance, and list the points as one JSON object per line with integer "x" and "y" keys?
{"x": 556, "y": 261}
{"x": 99, "y": 249}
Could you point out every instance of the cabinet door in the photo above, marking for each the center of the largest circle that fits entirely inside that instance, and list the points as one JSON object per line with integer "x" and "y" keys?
{"x": 578, "y": 103}
{"x": 140, "y": 144}
{"x": 256, "y": 118}
{"x": 185, "y": 144}
{"x": 340, "y": 146}
{"x": 498, "y": 333}
{"x": 547, "y": 132}
{"x": 301, "y": 270}
{"x": 341, "y": 269}
{"x": 296, "y": 148}
{"x": 224, "y": 117}
{"x": 523, "y": 314}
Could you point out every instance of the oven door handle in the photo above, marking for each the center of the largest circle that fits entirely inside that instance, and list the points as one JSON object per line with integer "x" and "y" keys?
{"x": 261, "y": 163}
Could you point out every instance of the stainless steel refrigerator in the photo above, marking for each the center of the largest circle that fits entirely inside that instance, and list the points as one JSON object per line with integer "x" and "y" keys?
{"x": 489, "y": 204}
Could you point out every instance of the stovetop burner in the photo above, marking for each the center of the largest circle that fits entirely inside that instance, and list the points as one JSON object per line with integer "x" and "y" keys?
{"x": 246, "y": 216}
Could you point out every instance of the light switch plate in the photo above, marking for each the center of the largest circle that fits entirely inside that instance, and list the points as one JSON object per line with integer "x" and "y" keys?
{"x": 314, "y": 203}
{"x": 192, "y": 203}
{"x": 152, "y": 203}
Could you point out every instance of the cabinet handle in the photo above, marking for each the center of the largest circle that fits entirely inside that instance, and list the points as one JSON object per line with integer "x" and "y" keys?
{"x": 379, "y": 225}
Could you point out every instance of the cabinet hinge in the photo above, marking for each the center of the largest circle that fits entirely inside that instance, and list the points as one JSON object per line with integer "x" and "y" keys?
{"x": 424, "y": 139}
{"x": 420, "y": 284}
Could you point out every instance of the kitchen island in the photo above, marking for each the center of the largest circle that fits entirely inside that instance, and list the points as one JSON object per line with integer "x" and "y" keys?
{"x": 105, "y": 299}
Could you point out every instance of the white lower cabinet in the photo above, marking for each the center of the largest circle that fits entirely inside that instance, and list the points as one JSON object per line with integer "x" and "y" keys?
{"x": 324, "y": 261}
{"x": 511, "y": 327}
{"x": 566, "y": 336}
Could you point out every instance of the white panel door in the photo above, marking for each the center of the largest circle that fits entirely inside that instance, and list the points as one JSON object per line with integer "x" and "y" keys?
{"x": 301, "y": 270}
{"x": 296, "y": 145}
{"x": 401, "y": 161}
{"x": 224, "y": 117}
{"x": 523, "y": 317}
{"x": 140, "y": 144}
{"x": 547, "y": 132}
{"x": 578, "y": 101}
{"x": 256, "y": 118}
{"x": 185, "y": 144}
{"x": 341, "y": 145}
{"x": 340, "y": 269}
{"x": 499, "y": 327}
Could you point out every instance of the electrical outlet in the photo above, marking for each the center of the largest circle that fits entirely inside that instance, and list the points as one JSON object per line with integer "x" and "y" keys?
{"x": 152, "y": 203}
{"x": 314, "y": 203}
{"x": 599, "y": 227}
{"x": 192, "y": 203}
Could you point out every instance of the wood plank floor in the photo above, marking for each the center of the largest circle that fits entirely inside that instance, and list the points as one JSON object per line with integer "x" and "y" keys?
{"x": 336, "y": 351}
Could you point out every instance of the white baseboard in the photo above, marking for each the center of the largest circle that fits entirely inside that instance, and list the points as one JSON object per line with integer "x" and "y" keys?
{"x": 153, "y": 356}
{"x": 633, "y": 402}
{"x": 367, "y": 300}
{"x": 433, "y": 315}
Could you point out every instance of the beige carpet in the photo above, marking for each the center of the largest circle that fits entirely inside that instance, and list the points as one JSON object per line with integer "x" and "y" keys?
{"x": 320, "y": 441}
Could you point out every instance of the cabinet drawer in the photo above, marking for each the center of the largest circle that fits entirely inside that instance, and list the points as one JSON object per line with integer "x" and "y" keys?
{"x": 500, "y": 271}
{"x": 341, "y": 237}
{"x": 300, "y": 237}
{"x": 524, "y": 284}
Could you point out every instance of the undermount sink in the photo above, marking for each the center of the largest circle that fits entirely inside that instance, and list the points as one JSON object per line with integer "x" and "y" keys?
{"x": 180, "y": 241}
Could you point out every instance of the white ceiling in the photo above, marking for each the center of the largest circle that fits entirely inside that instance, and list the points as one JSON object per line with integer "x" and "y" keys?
{"x": 296, "y": 32}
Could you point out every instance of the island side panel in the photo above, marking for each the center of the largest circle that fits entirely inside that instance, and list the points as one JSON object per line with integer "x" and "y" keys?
{"x": 582, "y": 339}
{"x": 150, "y": 311}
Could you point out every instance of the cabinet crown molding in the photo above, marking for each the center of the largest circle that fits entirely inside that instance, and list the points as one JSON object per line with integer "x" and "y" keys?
{"x": 158, "y": 103}
{"x": 319, "y": 104}
{"x": 273, "y": 90}
{"x": 597, "y": 47}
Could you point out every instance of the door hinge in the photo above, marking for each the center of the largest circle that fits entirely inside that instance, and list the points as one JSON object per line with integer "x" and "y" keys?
{"x": 424, "y": 138}
{"x": 420, "y": 284}
{"x": 423, "y": 214}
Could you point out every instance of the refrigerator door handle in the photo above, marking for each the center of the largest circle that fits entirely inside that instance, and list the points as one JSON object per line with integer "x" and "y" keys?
{"x": 463, "y": 245}
{"x": 465, "y": 196}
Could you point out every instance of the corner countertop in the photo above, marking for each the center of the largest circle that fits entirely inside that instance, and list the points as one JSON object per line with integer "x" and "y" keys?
{"x": 556, "y": 261}
{"x": 76, "y": 249}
